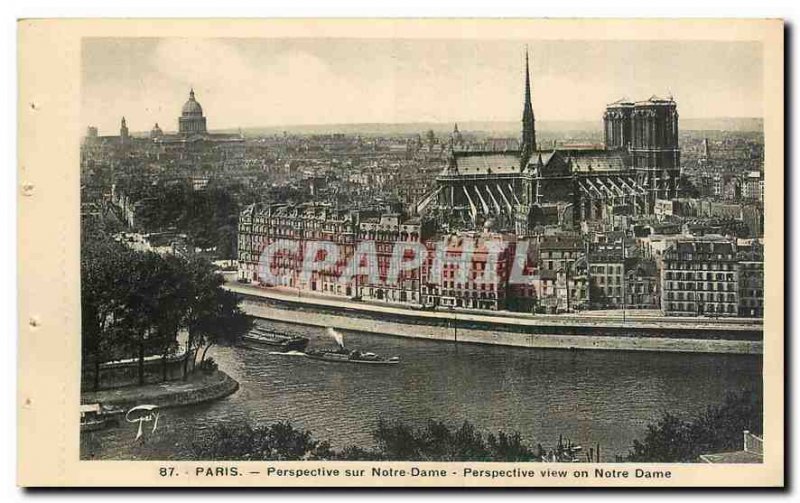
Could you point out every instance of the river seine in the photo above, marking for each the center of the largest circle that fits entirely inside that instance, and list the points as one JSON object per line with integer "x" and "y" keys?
{"x": 590, "y": 397}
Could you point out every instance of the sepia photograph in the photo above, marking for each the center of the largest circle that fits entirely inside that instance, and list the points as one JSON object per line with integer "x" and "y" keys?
{"x": 380, "y": 255}
{"x": 493, "y": 259}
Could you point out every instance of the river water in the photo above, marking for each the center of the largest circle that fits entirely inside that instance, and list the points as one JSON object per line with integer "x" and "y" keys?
{"x": 590, "y": 397}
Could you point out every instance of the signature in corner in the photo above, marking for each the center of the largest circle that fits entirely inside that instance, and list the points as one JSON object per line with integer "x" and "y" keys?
{"x": 143, "y": 414}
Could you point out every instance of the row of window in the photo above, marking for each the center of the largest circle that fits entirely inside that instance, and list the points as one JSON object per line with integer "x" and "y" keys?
{"x": 559, "y": 254}
{"x": 707, "y": 308}
{"x": 601, "y": 269}
{"x": 699, "y": 266}
{"x": 700, "y": 276}
{"x": 458, "y": 293}
{"x": 612, "y": 290}
{"x": 711, "y": 287}
{"x": 719, "y": 297}
{"x": 612, "y": 280}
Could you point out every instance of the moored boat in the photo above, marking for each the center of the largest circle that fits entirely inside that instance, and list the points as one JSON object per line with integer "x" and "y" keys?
{"x": 95, "y": 416}
{"x": 261, "y": 337}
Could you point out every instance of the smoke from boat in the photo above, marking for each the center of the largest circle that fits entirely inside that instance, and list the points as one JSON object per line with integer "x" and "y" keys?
{"x": 336, "y": 336}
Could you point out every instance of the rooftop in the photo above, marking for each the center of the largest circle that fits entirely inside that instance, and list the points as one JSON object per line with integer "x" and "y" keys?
{"x": 487, "y": 163}
{"x": 585, "y": 161}
{"x": 733, "y": 457}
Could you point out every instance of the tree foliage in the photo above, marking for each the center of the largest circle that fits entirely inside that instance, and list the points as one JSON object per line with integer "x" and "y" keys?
{"x": 437, "y": 441}
{"x": 209, "y": 217}
{"x": 718, "y": 429}
{"x": 396, "y": 441}
{"x": 279, "y": 441}
{"x": 134, "y": 304}
{"x": 670, "y": 439}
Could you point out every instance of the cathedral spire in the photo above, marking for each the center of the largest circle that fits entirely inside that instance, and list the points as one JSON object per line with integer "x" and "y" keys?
{"x": 527, "y": 80}
{"x": 528, "y": 145}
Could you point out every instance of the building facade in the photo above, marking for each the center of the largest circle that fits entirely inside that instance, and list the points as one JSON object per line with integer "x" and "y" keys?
{"x": 606, "y": 279}
{"x": 751, "y": 280}
{"x": 700, "y": 277}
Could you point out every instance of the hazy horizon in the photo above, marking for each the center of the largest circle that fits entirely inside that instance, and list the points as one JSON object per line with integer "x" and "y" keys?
{"x": 273, "y": 83}
{"x": 506, "y": 128}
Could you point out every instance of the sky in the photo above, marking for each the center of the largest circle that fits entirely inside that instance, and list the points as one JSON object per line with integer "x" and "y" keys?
{"x": 272, "y": 82}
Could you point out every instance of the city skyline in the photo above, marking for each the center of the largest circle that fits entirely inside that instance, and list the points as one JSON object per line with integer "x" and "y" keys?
{"x": 146, "y": 80}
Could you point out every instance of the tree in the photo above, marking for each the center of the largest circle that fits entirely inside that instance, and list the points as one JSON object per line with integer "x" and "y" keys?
{"x": 717, "y": 429}
{"x": 437, "y": 441}
{"x": 209, "y": 217}
{"x": 136, "y": 303}
{"x": 396, "y": 441}
{"x": 202, "y": 283}
{"x": 279, "y": 441}
{"x": 667, "y": 441}
{"x": 212, "y": 315}
{"x": 145, "y": 287}
{"x": 226, "y": 324}
{"x": 131, "y": 303}
{"x": 173, "y": 298}
{"x": 102, "y": 302}
{"x": 509, "y": 447}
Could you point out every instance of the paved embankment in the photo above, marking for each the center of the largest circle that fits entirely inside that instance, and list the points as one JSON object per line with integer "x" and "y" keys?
{"x": 199, "y": 387}
{"x": 509, "y": 332}
{"x": 592, "y": 320}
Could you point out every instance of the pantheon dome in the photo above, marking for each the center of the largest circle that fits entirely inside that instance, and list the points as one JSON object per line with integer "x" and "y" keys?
{"x": 191, "y": 120}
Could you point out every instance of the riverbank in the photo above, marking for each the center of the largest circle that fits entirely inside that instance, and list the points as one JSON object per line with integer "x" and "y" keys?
{"x": 647, "y": 333}
{"x": 467, "y": 335}
{"x": 199, "y": 387}
{"x": 645, "y": 319}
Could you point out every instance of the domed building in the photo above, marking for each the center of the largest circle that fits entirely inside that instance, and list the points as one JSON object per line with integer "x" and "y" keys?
{"x": 192, "y": 147}
{"x": 156, "y": 133}
{"x": 192, "y": 121}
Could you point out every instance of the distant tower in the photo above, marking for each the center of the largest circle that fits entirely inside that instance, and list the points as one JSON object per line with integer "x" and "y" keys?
{"x": 706, "y": 152}
{"x": 191, "y": 120}
{"x": 156, "y": 133}
{"x": 431, "y": 137}
{"x": 91, "y": 135}
{"x": 123, "y": 132}
{"x": 528, "y": 121}
{"x": 457, "y": 138}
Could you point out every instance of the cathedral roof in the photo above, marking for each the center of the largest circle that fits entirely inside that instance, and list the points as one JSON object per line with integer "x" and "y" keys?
{"x": 487, "y": 163}
{"x": 586, "y": 161}
{"x": 192, "y": 107}
{"x": 655, "y": 100}
{"x": 622, "y": 102}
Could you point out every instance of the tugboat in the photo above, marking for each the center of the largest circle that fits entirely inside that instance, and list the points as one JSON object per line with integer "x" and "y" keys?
{"x": 344, "y": 355}
{"x": 261, "y": 337}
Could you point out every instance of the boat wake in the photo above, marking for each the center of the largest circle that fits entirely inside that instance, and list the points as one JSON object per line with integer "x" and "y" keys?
{"x": 287, "y": 353}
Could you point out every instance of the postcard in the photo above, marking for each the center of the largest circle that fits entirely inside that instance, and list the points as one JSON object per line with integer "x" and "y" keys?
{"x": 401, "y": 252}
